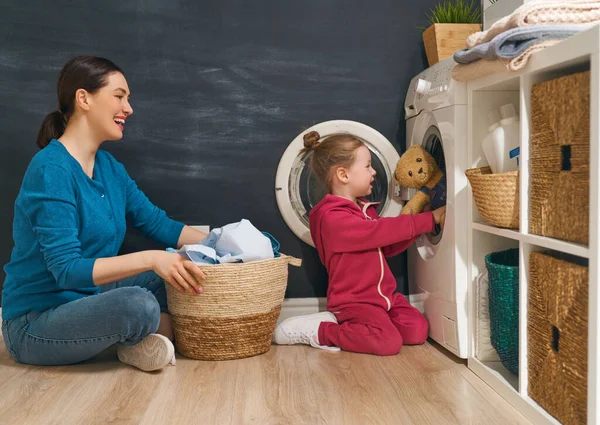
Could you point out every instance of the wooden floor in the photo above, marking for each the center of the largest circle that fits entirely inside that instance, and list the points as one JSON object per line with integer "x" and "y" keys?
{"x": 288, "y": 385}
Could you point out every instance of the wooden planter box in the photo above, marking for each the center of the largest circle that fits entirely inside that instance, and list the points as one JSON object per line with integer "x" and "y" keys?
{"x": 442, "y": 40}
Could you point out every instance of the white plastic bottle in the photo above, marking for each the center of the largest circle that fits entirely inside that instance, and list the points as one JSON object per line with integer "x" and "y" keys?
{"x": 506, "y": 140}
{"x": 488, "y": 145}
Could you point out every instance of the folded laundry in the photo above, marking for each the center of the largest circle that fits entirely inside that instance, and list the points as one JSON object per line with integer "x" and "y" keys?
{"x": 235, "y": 242}
{"x": 541, "y": 13}
{"x": 514, "y": 42}
{"x": 483, "y": 67}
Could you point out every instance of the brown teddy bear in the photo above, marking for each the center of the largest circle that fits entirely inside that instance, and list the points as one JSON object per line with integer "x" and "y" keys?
{"x": 418, "y": 170}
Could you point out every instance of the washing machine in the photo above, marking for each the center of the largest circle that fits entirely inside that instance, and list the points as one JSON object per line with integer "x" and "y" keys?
{"x": 297, "y": 189}
{"x": 436, "y": 118}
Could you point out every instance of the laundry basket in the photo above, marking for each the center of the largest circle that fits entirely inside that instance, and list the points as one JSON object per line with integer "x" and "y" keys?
{"x": 496, "y": 196}
{"x": 503, "y": 292}
{"x": 236, "y": 314}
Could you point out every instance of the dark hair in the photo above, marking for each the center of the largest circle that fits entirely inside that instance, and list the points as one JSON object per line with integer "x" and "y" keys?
{"x": 336, "y": 150}
{"x": 81, "y": 72}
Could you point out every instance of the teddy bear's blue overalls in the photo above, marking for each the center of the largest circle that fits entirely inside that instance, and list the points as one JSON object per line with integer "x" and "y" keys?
{"x": 437, "y": 195}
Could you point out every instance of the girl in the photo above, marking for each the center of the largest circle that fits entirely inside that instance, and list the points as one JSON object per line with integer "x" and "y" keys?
{"x": 67, "y": 296}
{"x": 364, "y": 315}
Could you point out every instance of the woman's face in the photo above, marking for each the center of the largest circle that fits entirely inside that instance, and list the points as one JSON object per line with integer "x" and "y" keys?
{"x": 109, "y": 108}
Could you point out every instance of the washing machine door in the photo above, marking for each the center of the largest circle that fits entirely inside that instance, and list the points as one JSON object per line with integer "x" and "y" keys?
{"x": 426, "y": 133}
{"x": 298, "y": 190}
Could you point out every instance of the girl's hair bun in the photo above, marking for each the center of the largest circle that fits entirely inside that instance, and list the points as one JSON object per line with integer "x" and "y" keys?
{"x": 311, "y": 139}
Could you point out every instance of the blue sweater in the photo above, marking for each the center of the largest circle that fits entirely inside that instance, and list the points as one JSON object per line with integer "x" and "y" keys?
{"x": 64, "y": 220}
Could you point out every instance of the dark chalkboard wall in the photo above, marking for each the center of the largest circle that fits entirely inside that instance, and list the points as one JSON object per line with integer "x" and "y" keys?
{"x": 219, "y": 90}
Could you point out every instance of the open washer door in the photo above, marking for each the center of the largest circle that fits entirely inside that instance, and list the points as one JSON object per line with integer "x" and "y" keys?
{"x": 427, "y": 134}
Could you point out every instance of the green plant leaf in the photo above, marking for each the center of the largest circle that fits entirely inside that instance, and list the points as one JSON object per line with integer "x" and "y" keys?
{"x": 455, "y": 12}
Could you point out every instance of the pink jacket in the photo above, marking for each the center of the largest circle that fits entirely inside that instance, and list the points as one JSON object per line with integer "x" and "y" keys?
{"x": 352, "y": 243}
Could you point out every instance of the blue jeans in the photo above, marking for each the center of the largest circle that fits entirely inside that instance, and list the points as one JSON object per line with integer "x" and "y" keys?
{"x": 124, "y": 313}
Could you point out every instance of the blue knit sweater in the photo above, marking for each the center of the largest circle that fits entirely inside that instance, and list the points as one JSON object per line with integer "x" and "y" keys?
{"x": 64, "y": 220}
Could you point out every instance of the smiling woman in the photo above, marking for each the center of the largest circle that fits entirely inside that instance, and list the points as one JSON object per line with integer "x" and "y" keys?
{"x": 64, "y": 278}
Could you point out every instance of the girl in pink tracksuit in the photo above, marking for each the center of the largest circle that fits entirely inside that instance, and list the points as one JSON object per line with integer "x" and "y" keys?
{"x": 365, "y": 314}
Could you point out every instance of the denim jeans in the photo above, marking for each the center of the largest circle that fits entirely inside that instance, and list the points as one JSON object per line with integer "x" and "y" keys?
{"x": 124, "y": 313}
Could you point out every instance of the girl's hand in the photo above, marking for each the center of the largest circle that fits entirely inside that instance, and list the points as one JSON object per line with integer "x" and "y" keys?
{"x": 182, "y": 274}
{"x": 439, "y": 215}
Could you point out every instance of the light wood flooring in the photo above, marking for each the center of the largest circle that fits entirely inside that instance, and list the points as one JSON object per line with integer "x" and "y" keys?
{"x": 288, "y": 385}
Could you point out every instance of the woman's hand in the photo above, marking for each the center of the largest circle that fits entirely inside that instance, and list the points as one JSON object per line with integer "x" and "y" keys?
{"x": 181, "y": 273}
{"x": 439, "y": 215}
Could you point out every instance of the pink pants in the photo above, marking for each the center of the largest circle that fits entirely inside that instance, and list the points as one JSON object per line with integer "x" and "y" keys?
{"x": 365, "y": 328}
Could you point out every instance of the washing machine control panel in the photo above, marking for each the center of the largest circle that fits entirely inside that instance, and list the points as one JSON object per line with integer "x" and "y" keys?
{"x": 434, "y": 88}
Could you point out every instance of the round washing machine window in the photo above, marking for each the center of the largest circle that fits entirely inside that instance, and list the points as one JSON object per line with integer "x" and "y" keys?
{"x": 432, "y": 142}
{"x": 298, "y": 190}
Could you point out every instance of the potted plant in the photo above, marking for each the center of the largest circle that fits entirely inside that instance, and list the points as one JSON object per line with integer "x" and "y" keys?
{"x": 451, "y": 22}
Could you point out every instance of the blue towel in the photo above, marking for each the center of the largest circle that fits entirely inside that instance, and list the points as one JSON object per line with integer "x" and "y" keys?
{"x": 512, "y": 43}
{"x": 274, "y": 243}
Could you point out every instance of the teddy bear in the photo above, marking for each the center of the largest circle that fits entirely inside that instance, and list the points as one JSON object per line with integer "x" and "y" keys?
{"x": 418, "y": 170}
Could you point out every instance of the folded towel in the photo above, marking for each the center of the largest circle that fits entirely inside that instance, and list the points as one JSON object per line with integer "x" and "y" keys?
{"x": 481, "y": 68}
{"x": 541, "y": 13}
{"x": 514, "y": 42}
{"x": 521, "y": 61}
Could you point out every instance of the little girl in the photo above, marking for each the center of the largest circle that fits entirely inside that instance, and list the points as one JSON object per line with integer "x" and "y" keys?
{"x": 365, "y": 314}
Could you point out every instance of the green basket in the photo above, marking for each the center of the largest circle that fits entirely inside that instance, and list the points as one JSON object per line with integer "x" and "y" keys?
{"x": 503, "y": 293}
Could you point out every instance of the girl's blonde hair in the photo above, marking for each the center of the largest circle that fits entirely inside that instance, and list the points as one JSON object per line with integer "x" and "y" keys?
{"x": 337, "y": 150}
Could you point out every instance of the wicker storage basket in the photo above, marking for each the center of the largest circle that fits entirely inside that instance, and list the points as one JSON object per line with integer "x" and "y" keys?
{"x": 503, "y": 293}
{"x": 557, "y": 329}
{"x": 237, "y": 312}
{"x": 496, "y": 196}
{"x": 560, "y": 158}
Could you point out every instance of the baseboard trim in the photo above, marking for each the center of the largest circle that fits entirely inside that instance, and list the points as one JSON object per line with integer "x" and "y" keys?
{"x": 301, "y": 306}
{"x": 417, "y": 301}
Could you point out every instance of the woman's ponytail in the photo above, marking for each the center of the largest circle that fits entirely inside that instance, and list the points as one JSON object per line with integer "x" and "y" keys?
{"x": 52, "y": 128}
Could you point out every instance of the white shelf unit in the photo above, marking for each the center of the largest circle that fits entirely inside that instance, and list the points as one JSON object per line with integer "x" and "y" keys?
{"x": 578, "y": 53}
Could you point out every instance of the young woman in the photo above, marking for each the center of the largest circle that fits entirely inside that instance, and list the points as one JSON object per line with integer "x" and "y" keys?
{"x": 67, "y": 295}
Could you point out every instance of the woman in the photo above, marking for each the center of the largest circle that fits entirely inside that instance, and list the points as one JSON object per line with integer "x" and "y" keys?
{"x": 67, "y": 295}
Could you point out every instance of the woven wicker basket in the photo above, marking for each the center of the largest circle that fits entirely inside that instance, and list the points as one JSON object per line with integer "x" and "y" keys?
{"x": 237, "y": 312}
{"x": 503, "y": 298}
{"x": 496, "y": 196}
{"x": 560, "y": 158}
{"x": 557, "y": 327}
